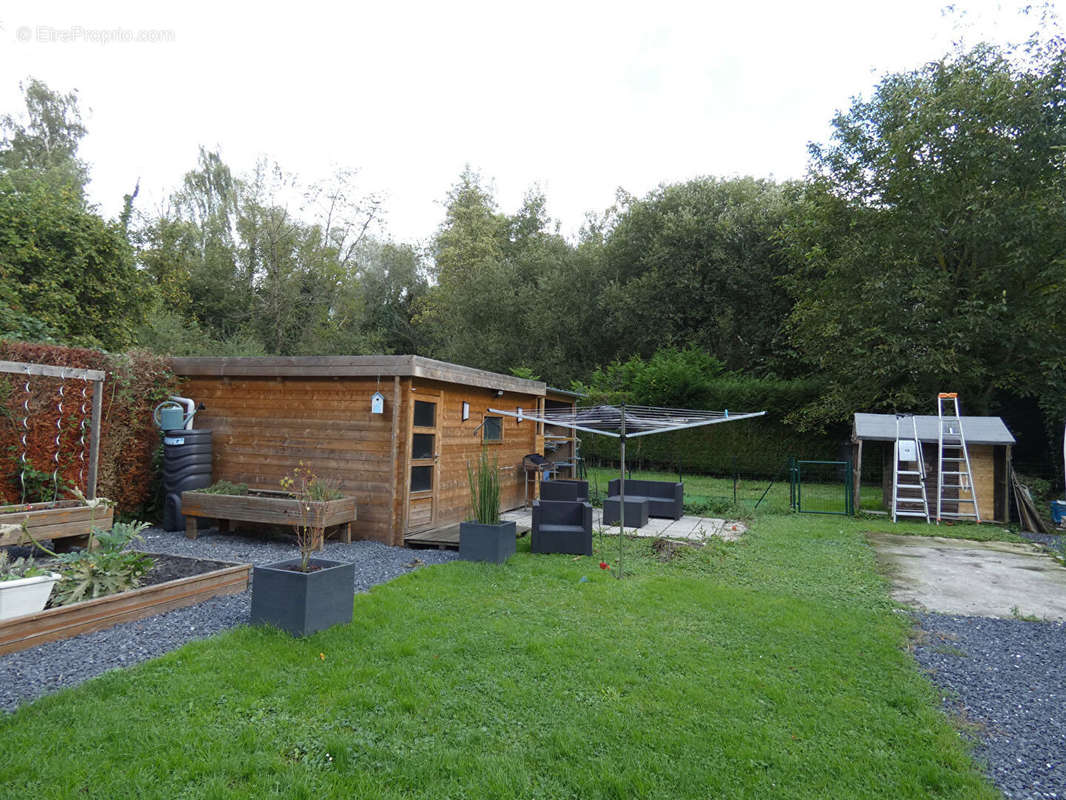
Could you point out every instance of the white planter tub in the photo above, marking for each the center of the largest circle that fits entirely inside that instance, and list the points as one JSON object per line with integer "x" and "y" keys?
{"x": 26, "y": 595}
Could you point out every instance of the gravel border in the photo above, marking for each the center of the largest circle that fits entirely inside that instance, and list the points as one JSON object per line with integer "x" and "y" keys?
{"x": 1005, "y": 680}
{"x": 1051, "y": 540}
{"x": 29, "y": 674}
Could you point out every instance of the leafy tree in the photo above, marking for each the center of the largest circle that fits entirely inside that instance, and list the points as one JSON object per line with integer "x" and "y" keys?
{"x": 697, "y": 263}
{"x": 67, "y": 274}
{"x": 394, "y": 283}
{"x": 261, "y": 262}
{"x": 471, "y": 234}
{"x": 203, "y": 225}
{"x": 44, "y": 144}
{"x": 508, "y": 289}
{"x": 66, "y": 268}
{"x": 474, "y": 296}
{"x": 932, "y": 237}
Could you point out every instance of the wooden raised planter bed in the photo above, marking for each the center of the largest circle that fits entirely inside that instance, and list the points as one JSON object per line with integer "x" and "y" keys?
{"x": 267, "y": 507}
{"x": 64, "y": 622}
{"x": 54, "y": 520}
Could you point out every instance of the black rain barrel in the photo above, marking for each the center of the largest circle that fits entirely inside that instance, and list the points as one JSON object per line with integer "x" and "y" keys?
{"x": 186, "y": 466}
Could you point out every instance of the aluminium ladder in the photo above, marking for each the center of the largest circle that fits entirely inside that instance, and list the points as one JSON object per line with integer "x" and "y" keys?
{"x": 953, "y": 472}
{"x": 909, "y": 498}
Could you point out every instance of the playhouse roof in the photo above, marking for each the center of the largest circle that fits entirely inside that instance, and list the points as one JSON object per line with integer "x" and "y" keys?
{"x": 978, "y": 430}
{"x": 353, "y": 366}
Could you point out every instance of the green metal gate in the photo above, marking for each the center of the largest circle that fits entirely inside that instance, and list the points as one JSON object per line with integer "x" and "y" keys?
{"x": 821, "y": 487}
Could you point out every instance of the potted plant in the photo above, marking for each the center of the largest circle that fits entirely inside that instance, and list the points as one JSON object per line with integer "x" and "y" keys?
{"x": 305, "y": 594}
{"x": 485, "y": 538}
{"x": 24, "y": 587}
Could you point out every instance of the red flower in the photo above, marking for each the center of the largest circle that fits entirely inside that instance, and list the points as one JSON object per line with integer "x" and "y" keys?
{"x": 603, "y": 565}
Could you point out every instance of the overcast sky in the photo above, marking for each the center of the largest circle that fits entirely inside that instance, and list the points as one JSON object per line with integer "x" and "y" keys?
{"x": 577, "y": 97}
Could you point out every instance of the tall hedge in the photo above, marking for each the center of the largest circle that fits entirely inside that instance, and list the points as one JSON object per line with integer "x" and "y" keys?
{"x": 755, "y": 448}
{"x": 135, "y": 382}
{"x": 692, "y": 378}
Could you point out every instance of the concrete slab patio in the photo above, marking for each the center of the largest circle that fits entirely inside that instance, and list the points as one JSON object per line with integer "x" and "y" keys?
{"x": 983, "y": 579}
{"x": 684, "y": 529}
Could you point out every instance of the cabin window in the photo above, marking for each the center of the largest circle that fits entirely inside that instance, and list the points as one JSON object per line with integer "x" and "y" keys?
{"x": 421, "y": 479}
{"x": 425, "y": 415}
{"x": 492, "y": 430}
{"x": 422, "y": 445}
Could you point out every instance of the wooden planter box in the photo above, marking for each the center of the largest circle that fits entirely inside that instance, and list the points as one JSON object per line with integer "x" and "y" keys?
{"x": 55, "y": 521}
{"x": 54, "y": 624}
{"x": 267, "y": 508}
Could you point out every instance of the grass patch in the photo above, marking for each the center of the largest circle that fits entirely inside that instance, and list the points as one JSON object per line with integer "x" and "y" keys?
{"x": 985, "y": 532}
{"x": 772, "y": 667}
{"x": 709, "y": 496}
{"x": 713, "y": 496}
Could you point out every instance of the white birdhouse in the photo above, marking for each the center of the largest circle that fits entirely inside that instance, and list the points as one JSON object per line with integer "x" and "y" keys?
{"x": 377, "y": 403}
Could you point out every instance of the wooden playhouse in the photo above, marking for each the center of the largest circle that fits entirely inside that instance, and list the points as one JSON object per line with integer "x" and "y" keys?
{"x": 395, "y": 431}
{"x": 988, "y": 441}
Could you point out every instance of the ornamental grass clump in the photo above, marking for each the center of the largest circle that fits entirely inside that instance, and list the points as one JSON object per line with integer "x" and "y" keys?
{"x": 485, "y": 490}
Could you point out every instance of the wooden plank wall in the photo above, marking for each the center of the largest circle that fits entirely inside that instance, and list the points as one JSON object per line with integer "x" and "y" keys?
{"x": 400, "y": 435}
{"x": 459, "y": 446}
{"x": 982, "y": 462}
{"x": 263, "y": 427}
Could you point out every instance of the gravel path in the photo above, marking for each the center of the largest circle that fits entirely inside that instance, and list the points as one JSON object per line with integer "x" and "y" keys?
{"x": 1008, "y": 678}
{"x": 29, "y": 674}
{"x": 1051, "y": 540}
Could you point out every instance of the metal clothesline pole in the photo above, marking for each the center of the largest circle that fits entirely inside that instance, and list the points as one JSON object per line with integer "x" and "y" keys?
{"x": 622, "y": 491}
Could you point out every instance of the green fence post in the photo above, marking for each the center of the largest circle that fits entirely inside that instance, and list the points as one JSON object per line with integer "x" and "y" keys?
{"x": 849, "y": 501}
{"x": 792, "y": 482}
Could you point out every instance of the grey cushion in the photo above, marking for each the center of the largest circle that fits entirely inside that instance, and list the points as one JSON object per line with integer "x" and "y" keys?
{"x": 564, "y": 490}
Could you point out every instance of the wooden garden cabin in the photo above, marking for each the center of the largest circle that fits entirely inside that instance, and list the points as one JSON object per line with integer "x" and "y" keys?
{"x": 404, "y": 454}
{"x": 988, "y": 442}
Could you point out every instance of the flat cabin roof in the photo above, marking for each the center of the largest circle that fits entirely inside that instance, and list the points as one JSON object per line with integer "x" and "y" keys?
{"x": 352, "y": 366}
{"x": 977, "y": 430}
{"x": 565, "y": 393}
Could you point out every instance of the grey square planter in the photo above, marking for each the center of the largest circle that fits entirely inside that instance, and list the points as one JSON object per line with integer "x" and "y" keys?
{"x": 480, "y": 542}
{"x": 302, "y": 603}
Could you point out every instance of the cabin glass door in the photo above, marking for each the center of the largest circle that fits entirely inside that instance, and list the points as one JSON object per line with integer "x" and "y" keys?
{"x": 423, "y": 451}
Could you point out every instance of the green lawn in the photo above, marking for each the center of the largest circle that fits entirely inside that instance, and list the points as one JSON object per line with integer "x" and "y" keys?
{"x": 770, "y": 668}
{"x": 715, "y": 495}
